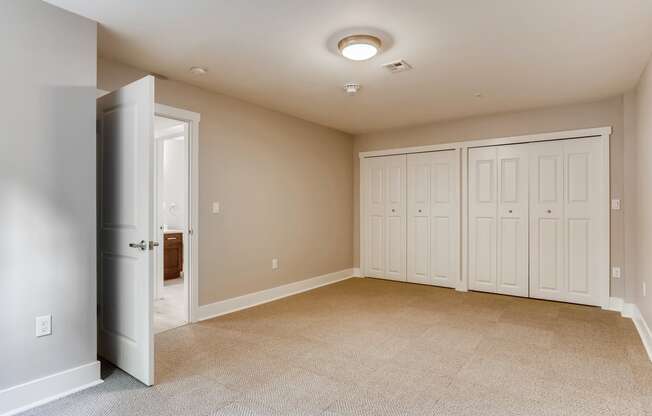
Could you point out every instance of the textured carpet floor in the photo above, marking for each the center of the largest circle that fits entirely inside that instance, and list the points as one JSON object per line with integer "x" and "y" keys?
{"x": 373, "y": 347}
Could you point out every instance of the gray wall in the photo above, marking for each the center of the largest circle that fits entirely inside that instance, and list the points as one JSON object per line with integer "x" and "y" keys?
{"x": 638, "y": 176}
{"x": 47, "y": 189}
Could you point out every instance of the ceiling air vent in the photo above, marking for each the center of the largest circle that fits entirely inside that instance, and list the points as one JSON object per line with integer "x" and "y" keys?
{"x": 397, "y": 66}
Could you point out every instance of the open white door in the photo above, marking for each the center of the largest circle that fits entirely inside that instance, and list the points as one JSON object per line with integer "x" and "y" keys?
{"x": 126, "y": 198}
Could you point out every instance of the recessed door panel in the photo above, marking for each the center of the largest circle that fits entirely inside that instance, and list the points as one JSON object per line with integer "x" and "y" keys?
{"x": 433, "y": 218}
{"x": 375, "y": 256}
{"x": 483, "y": 208}
{"x": 583, "y": 236}
{"x": 547, "y": 220}
{"x": 512, "y": 276}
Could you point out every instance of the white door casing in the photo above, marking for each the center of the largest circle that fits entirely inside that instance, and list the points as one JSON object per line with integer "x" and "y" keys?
{"x": 433, "y": 197}
{"x": 125, "y": 191}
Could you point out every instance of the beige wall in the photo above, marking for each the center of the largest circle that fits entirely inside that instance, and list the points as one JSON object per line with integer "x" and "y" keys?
{"x": 284, "y": 187}
{"x": 639, "y": 177}
{"x": 607, "y": 112}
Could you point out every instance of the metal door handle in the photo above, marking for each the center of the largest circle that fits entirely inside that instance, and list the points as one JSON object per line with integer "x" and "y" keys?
{"x": 510, "y": 211}
{"x": 153, "y": 244}
{"x": 419, "y": 210}
{"x": 393, "y": 210}
{"x": 549, "y": 212}
{"x": 142, "y": 245}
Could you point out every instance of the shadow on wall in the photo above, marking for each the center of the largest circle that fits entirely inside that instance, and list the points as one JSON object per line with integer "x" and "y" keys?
{"x": 48, "y": 211}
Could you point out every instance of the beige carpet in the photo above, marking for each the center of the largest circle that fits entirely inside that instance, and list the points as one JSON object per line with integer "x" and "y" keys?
{"x": 373, "y": 347}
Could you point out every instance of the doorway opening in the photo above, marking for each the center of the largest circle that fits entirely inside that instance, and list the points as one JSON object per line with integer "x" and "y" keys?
{"x": 171, "y": 215}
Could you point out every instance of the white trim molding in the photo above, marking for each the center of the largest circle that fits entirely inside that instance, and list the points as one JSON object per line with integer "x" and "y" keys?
{"x": 357, "y": 272}
{"x": 630, "y": 310}
{"x": 37, "y": 392}
{"x": 264, "y": 296}
{"x": 191, "y": 250}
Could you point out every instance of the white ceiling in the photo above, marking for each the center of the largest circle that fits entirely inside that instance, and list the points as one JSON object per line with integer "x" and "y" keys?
{"x": 279, "y": 53}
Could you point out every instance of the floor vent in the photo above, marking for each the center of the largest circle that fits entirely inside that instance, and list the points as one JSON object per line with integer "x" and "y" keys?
{"x": 397, "y": 66}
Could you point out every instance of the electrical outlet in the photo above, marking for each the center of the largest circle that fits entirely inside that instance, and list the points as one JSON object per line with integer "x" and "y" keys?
{"x": 615, "y": 272}
{"x": 274, "y": 264}
{"x": 43, "y": 325}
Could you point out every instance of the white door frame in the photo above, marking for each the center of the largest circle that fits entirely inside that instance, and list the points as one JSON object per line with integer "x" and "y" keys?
{"x": 191, "y": 243}
{"x": 463, "y": 146}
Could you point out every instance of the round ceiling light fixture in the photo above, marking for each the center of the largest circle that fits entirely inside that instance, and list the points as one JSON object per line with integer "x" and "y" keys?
{"x": 359, "y": 47}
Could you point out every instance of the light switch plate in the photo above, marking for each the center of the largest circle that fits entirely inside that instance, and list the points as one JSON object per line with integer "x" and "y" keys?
{"x": 615, "y": 272}
{"x": 615, "y": 204}
{"x": 216, "y": 207}
{"x": 274, "y": 264}
{"x": 43, "y": 325}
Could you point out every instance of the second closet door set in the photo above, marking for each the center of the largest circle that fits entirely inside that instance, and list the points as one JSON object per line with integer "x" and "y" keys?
{"x": 412, "y": 218}
{"x": 534, "y": 220}
{"x": 537, "y": 225}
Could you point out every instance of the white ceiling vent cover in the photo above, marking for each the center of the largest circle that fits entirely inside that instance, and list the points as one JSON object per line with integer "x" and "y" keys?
{"x": 397, "y": 66}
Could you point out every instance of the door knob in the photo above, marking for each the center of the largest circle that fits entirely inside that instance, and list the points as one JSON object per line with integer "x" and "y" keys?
{"x": 393, "y": 210}
{"x": 419, "y": 210}
{"x": 142, "y": 246}
{"x": 153, "y": 244}
{"x": 549, "y": 212}
{"x": 510, "y": 211}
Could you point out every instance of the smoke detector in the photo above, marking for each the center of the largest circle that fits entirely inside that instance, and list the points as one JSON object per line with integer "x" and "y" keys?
{"x": 198, "y": 70}
{"x": 397, "y": 66}
{"x": 352, "y": 88}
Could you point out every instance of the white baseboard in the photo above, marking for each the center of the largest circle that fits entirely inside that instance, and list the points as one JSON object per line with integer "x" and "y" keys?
{"x": 37, "y": 392}
{"x": 630, "y": 310}
{"x": 615, "y": 304}
{"x": 252, "y": 299}
{"x": 357, "y": 272}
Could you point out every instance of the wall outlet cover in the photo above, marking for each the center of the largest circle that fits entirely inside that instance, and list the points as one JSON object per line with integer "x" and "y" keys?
{"x": 216, "y": 207}
{"x": 615, "y": 204}
{"x": 615, "y": 272}
{"x": 274, "y": 264}
{"x": 43, "y": 325}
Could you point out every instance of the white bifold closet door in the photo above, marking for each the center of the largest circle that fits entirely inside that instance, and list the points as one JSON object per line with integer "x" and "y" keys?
{"x": 567, "y": 234}
{"x": 433, "y": 209}
{"x": 385, "y": 222}
{"x": 498, "y": 219}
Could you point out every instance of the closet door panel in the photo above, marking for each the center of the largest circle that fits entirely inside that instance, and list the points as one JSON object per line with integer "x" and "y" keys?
{"x": 547, "y": 280}
{"x": 419, "y": 229}
{"x": 583, "y": 166}
{"x": 445, "y": 219}
{"x": 395, "y": 212}
{"x": 375, "y": 217}
{"x": 483, "y": 207}
{"x": 512, "y": 230}
{"x": 433, "y": 218}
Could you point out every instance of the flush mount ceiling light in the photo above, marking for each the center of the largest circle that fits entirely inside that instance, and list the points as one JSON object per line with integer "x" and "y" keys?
{"x": 352, "y": 88}
{"x": 359, "y": 47}
{"x": 198, "y": 70}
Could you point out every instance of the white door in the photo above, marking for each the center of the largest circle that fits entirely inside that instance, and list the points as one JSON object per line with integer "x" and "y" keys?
{"x": 385, "y": 217}
{"x": 567, "y": 234}
{"x": 498, "y": 219}
{"x": 483, "y": 206}
{"x": 513, "y": 220}
{"x": 547, "y": 220}
{"x": 433, "y": 194}
{"x": 126, "y": 227}
{"x": 375, "y": 217}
